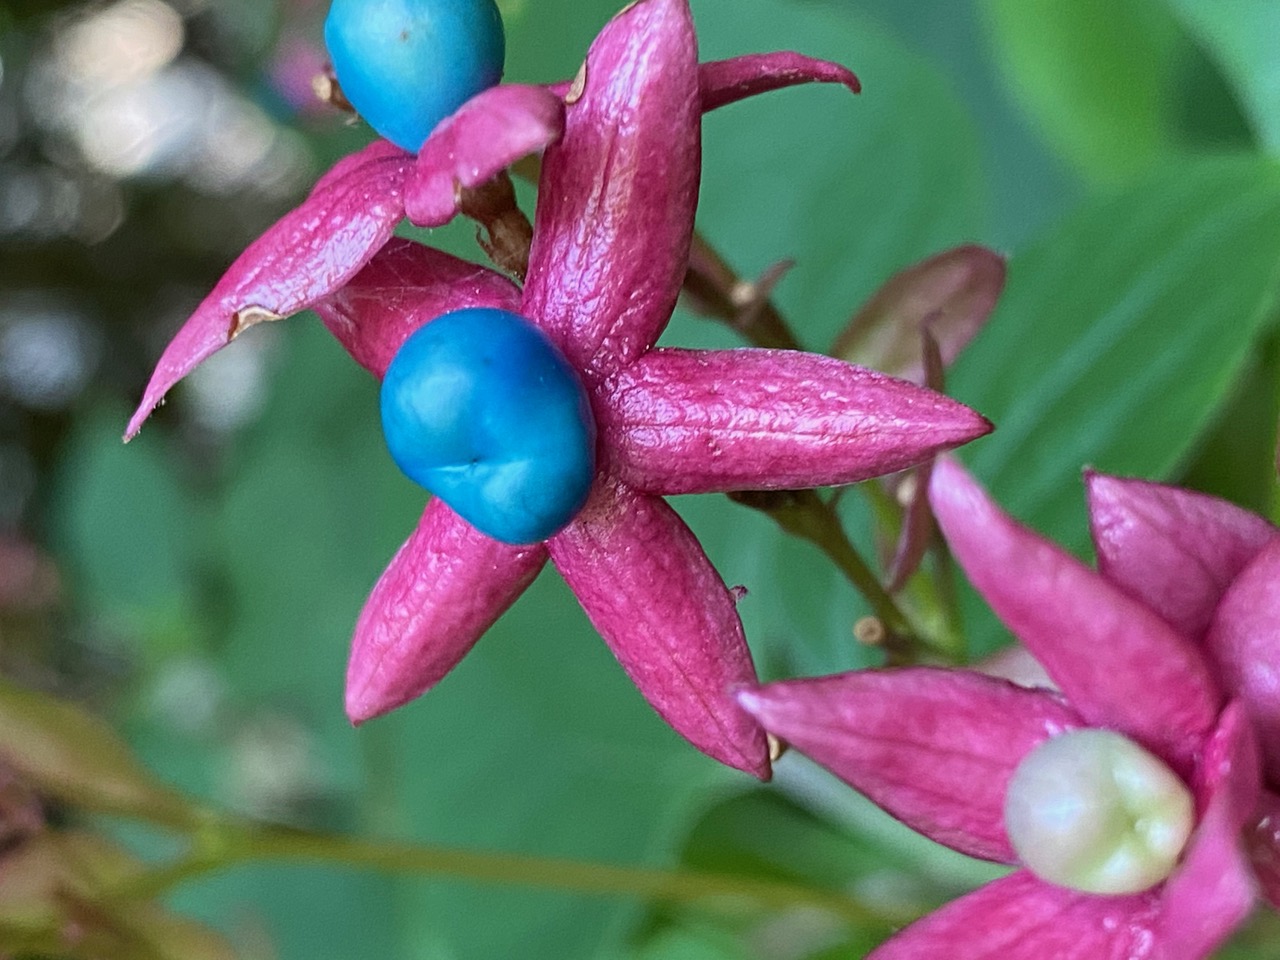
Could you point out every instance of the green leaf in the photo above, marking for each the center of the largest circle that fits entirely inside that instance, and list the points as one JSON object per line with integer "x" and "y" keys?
{"x": 1094, "y": 74}
{"x": 1243, "y": 37}
{"x": 1121, "y": 334}
{"x": 125, "y": 524}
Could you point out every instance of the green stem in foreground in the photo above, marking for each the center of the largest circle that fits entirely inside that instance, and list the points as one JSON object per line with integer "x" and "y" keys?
{"x": 236, "y": 844}
{"x": 804, "y": 514}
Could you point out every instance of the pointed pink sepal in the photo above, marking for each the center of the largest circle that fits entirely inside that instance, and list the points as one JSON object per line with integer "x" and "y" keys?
{"x": 618, "y": 192}
{"x": 935, "y": 748}
{"x": 1213, "y": 890}
{"x": 1263, "y": 840}
{"x": 406, "y": 285}
{"x": 309, "y": 253}
{"x": 444, "y": 588}
{"x": 1175, "y": 550}
{"x": 1244, "y": 641}
{"x": 650, "y": 591}
{"x": 486, "y": 135}
{"x": 727, "y": 81}
{"x": 1023, "y": 918}
{"x": 722, "y": 82}
{"x": 1119, "y": 664}
{"x": 689, "y": 421}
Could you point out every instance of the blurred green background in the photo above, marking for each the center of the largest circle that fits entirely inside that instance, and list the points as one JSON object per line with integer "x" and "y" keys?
{"x": 198, "y": 587}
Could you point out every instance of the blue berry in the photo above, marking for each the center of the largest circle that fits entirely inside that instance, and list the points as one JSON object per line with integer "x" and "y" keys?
{"x": 483, "y": 410}
{"x": 405, "y": 65}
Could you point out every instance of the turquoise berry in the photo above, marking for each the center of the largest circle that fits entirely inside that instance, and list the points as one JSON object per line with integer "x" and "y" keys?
{"x": 483, "y": 410}
{"x": 405, "y": 65}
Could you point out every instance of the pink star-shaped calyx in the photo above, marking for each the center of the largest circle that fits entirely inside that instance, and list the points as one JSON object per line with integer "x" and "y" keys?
{"x": 939, "y": 748}
{"x": 614, "y": 220}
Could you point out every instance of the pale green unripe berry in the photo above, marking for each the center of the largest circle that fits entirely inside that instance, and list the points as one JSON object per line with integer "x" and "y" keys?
{"x": 1093, "y": 811}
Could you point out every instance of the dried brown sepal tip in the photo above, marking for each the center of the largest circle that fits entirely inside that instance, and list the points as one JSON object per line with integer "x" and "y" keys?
{"x": 505, "y": 233}
{"x": 870, "y": 632}
{"x": 777, "y": 748}
{"x": 250, "y": 316}
{"x": 327, "y": 90}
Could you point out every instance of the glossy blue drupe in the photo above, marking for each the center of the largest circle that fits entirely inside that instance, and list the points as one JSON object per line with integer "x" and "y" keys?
{"x": 405, "y": 65}
{"x": 483, "y": 410}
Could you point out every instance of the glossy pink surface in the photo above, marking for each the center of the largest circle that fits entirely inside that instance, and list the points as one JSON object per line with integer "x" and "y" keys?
{"x": 405, "y": 285}
{"x": 935, "y": 748}
{"x": 444, "y": 588}
{"x": 311, "y": 252}
{"x": 649, "y": 589}
{"x": 1119, "y": 664}
{"x": 1244, "y": 641}
{"x": 1175, "y": 550}
{"x": 487, "y": 134}
{"x": 612, "y": 231}
{"x": 695, "y": 421}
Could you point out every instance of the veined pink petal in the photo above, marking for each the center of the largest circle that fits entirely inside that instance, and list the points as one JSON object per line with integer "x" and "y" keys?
{"x": 1263, "y": 840}
{"x": 648, "y": 588}
{"x": 1244, "y": 643}
{"x": 1022, "y": 918}
{"x": 935, "y": 748}
{"x": 403, "y": 287}
{"x": 486, "y": 135}
{"x": 618, "y": 192}
{"x": 444, "y": 588}
{"x": 310, "y": 252}
{"x": 691, "y": 421}
{"x": 1119, "y": 664}
{"x": 727, "y": 81}
{"x": 1175, "y": 550}
{"x": 1212, "y": 890}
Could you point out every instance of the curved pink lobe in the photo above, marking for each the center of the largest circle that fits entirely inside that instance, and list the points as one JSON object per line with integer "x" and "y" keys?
{"x": 403, "y": 287}
{"x": 1212, "y": 891}
{"x": 727, "y": 81}
{"x": 935, "y": 748}
{"x": 1175, "y": 550}
{"x": 444, "y": 588}
{"x": 1119, "y": 664}
{"x": 647, "y": 587}
{"x": 1022, "y": 918}
{"x": 309, "y": 253}
{"x": 618, "y": 192}
{"x": 1264, "y": 847}
{"x": 486, "y": 135}
{"x": 722, "y": 82}
{"x": 692, "y": 421}
{"x": 1244, "y": 643}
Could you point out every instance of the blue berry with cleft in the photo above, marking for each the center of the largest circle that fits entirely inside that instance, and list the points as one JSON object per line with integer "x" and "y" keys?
{"x": 405, "y": 65}
{"x": 483, "y": 410}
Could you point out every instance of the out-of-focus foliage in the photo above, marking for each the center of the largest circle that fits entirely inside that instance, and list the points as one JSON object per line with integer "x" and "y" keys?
{"x": 200, "y": 584}
{"x": 1095, "y": 74}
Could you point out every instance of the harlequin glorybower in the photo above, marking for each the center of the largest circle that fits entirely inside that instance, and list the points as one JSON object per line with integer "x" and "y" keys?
{"x": 1132, "y": 800}
{"x": 617, "y": 195}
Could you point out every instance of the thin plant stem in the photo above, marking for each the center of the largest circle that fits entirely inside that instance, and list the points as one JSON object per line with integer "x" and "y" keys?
{"x": 237, "y": 844}
{"x": 804, "y": 514}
